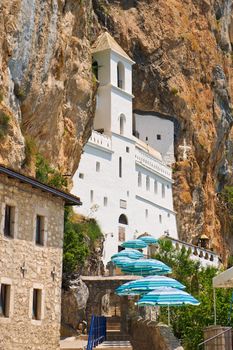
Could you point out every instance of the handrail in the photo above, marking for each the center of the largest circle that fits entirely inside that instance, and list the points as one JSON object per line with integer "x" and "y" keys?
{"x": 97, "y": 332}
{"x": 215, "y": 336}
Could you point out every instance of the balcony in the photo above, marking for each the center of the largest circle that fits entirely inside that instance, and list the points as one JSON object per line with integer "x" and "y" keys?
{"x": 101, "y": 140}
{"x": 149, "y": 161}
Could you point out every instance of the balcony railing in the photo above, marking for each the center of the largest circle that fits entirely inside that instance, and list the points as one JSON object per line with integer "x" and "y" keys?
{"x": 151, "y": 162}
{"x": 100, "y": 140}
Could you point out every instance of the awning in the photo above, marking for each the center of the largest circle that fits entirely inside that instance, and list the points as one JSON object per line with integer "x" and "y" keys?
{"x": 224, "y": 279}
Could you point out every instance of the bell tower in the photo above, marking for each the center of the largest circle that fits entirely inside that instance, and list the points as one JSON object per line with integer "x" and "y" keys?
{"x": 113, "y": 69}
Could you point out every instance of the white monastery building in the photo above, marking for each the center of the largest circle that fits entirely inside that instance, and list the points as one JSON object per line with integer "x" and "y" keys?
{"x": 123, "y": 182}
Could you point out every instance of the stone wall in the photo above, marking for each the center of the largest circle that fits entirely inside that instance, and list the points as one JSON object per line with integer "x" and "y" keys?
{"x": 149, "y": 335}
{"x": 19, "y": 331}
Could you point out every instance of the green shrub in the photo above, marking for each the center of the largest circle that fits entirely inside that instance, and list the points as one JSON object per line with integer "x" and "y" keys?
{"x": 188, "y": 322}
{"x": 75, "y": 249}
{"x": 227, "y": 197}
{"x": 30, "y": 149}
{"x": 4, "y": 124}
{"x": 1, "y": 96}
{"x": 174, "y": 91}
{"x": 45, "y": 173}
{"x": 77, "y": 239}
{"x": 20, "y": 92}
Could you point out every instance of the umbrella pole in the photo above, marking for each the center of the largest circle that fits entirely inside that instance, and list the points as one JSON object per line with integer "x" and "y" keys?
{"x": 168, "y": 315}
{"x": 215, "y": 312}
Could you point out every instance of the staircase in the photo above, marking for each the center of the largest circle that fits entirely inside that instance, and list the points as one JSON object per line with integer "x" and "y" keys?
{"x": 115, "y": 345}
{"x": 114, "y": 330}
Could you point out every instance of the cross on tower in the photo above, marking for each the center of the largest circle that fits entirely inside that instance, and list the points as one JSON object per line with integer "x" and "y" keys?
{"x": 185, "y": 148}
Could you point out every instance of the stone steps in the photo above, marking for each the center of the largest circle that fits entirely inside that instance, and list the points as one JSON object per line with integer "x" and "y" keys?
{"x": 113, "y": 326}
{"x": 116, "y": 336}
{"x": 116, "y": 345}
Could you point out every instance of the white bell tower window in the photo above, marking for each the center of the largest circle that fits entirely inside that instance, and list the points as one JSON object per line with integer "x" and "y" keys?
{"x": 120, "y": 75}
{"x": 122, "y": 124}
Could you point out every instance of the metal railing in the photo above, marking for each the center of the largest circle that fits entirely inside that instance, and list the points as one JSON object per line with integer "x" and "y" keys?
{"x": 97, "y": 333}
{"x": 218, "y": 342}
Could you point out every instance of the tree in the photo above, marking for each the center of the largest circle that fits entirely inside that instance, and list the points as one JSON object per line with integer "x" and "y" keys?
{"x": 188, "y": 322}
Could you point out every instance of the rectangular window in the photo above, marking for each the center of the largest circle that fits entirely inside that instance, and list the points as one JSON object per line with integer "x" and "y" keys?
{"x": 39, "y": 230}
{"x": 120, "y": 167}
{"x": 5, "y": 290}
{"x": 36, "y": 304}
{"x": 158, "y": 137}
{"x": 163, "y": 190}
{"x": 81, "y": 175}
{"x": 9, "y": 221}
{"x": 97, "y": 166}
{"x": 155, "y": 186}
{"x": 127, "y": 149}
{"x": 91, "y": 196}
{"x": 160, "y": 219}
{"x": 146, "y": 213}
{"x": 123, "y": 204}
{"x": 105, "y": 201}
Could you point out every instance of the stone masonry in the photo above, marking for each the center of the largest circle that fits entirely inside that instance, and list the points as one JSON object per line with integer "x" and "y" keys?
{"x": 149, "y": 335}
{"x": 25, "y": 265}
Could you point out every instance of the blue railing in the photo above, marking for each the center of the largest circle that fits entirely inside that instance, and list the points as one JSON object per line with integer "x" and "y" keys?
{"x": 97, "y": 333}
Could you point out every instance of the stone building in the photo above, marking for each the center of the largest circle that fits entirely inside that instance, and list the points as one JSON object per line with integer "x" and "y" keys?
{"x": 31, "y": 240}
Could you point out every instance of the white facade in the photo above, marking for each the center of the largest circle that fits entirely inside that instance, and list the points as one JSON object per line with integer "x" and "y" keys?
{"x": 158, "y": 132}
{"x": 123, "y": 183}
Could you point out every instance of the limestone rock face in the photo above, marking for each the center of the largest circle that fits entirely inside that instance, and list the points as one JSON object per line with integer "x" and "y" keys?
{"x": 74, "y": 300}
{"x": 183, "y": 55}
{"x": 46, "y": 82}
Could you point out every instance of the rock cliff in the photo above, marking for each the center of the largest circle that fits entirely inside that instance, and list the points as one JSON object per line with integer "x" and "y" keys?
{"x": 183, "y": 54}
{"x": 46, "y": 83}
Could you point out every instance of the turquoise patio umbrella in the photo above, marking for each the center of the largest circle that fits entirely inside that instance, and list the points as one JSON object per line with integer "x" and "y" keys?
{"x": 146, "y": 267}
{"x": 149, "y": 240}
{"x": 122, "y": 261}
{"x": 147, "y": 284}
{"x": 135, "y": 244}
{"x": 129, "y": 253}
{"x": 167, "y": 296}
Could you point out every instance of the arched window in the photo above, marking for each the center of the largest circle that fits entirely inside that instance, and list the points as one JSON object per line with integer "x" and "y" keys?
{"x": 120, "y": 167}
{"x": 139, "y": 179}
{"x": 155, "y": 187}
{"x": 123, "y": 219}
{"x": 122, "y": 124}
{"x": 148, "y": 183}
{"x": 120, "y": 75}
{"x": 95, "y": 69}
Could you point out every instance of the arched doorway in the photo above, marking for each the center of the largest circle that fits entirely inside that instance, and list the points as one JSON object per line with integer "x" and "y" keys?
{"x": 123, "y": 222}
